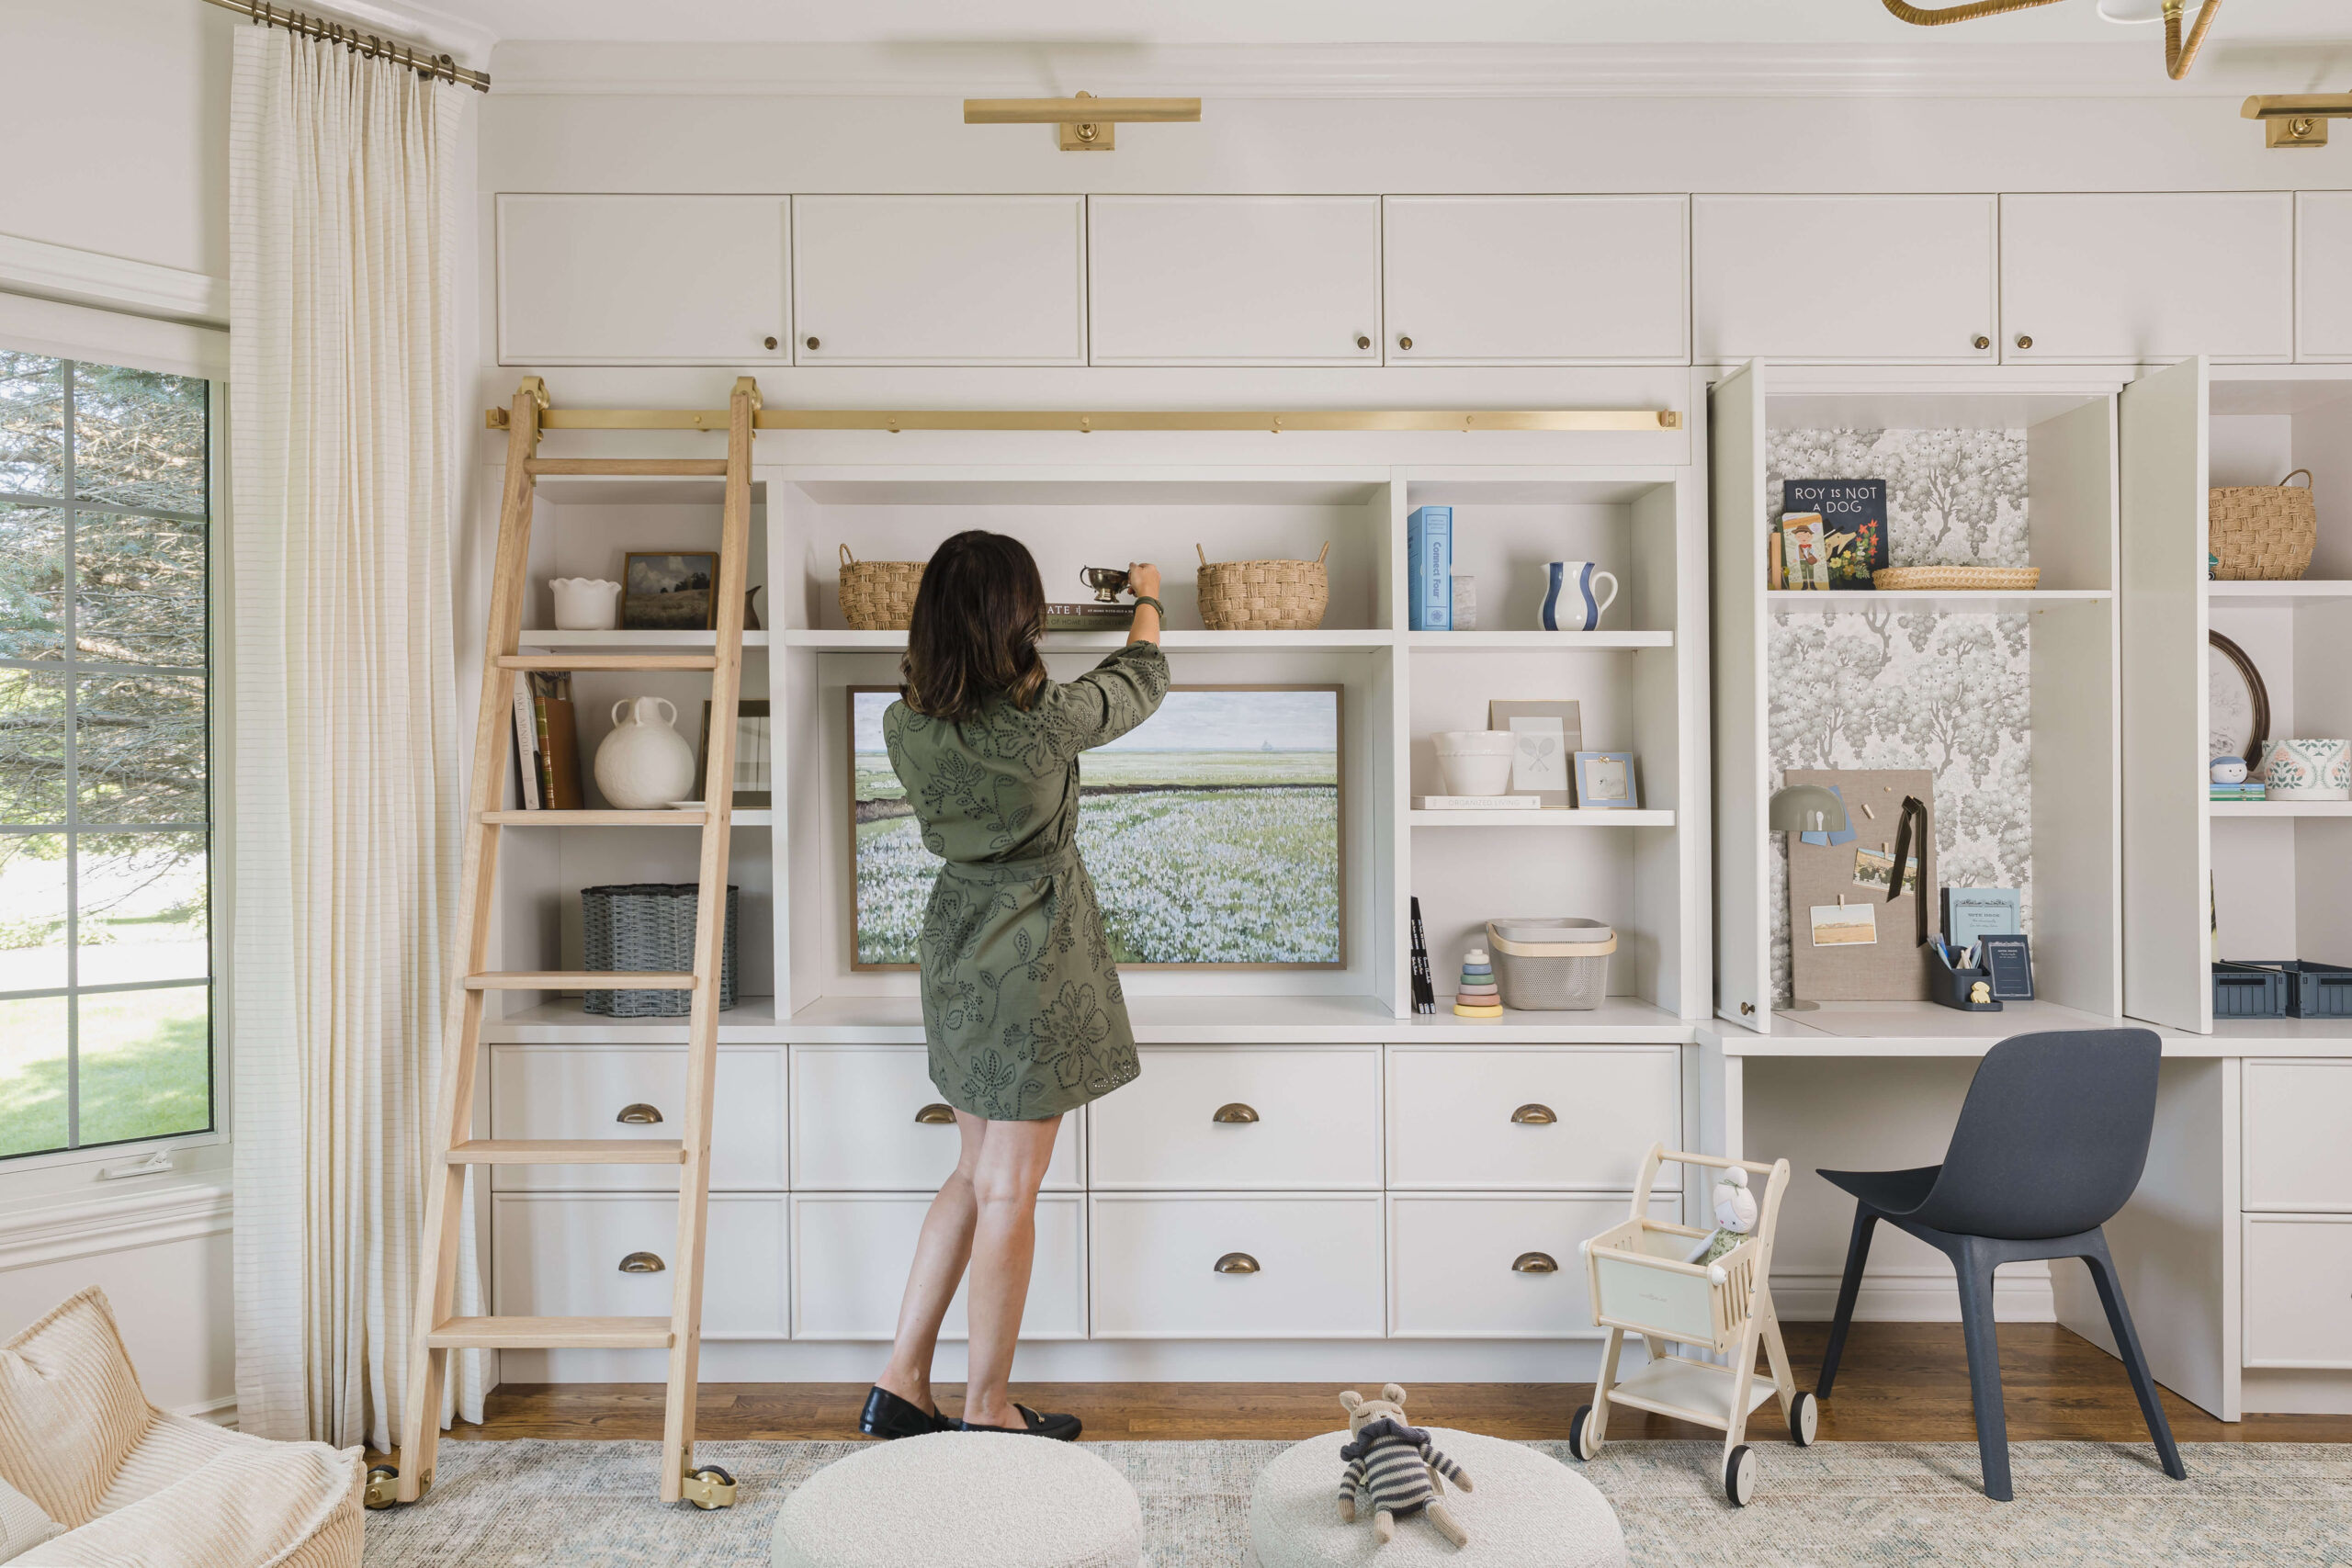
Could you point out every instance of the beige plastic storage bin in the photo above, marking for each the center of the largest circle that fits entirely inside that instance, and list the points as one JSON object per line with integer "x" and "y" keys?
{"x": 1551, "y": 965}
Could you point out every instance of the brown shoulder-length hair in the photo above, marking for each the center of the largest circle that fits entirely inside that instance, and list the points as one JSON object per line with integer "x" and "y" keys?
{"x": 978, "y": 616}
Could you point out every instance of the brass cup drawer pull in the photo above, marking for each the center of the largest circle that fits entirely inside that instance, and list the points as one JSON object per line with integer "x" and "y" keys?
{"x": 935, "y": 1115}
{"x": 1234, "y": 1114}
{"x": 1533, "y": 1115}
{"x": 642, "y": 1263}
{"x": 639, "y": 1115}
{"x": 1236, "y": 1263}
{"x": 1534, "y": 1263}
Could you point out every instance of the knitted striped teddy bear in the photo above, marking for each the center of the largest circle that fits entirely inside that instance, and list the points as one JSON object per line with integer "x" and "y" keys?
{"x": 1394, "y": 1465}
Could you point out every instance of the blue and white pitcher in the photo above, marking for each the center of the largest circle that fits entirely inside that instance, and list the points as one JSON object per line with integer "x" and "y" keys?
{"x": 1568, "y": 603}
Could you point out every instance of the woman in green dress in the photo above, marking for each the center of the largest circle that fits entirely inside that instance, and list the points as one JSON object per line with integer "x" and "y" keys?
{"x": 1021, "y": 1002}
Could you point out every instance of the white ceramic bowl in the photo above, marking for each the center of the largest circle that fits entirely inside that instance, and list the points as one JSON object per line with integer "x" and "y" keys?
{"x": 1475, "y": 761}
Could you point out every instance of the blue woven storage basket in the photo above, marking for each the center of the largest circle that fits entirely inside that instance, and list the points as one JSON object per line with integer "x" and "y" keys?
{"x": 648, "y": 928}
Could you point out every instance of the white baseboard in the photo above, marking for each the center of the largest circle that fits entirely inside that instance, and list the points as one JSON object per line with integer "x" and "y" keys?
{"x": 222, "y": 1412}
{"x": 2020, "y": 1295}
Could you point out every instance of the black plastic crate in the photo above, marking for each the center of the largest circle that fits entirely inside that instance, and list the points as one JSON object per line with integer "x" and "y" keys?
{"x": 2314, "y": 991}
{"x": 2248, "y": 990}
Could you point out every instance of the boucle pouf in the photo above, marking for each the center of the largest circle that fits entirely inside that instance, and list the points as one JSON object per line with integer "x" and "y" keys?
{"x": 974, "y": 1499}
{"x": 1527, "y": 1509}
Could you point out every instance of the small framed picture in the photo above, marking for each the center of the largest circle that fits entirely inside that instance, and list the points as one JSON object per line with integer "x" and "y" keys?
{"x": 1875, "y": 869}
{"x": 663, "y": 592}
{"x": 1605, "y": 781}
{"x": 1844, "y": 925}
{"x": 1548, "y": 735}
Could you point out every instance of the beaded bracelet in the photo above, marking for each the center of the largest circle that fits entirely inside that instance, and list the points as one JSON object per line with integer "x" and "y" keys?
{"x": 1143, "y": 599}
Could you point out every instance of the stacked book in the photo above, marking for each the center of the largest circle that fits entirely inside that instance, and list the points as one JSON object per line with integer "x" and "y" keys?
{"x": 2249, "y": 789}
{"x": 1478, "y": 996}
{"x": 1429, "y": 569}
{"x": 547, "y": 743}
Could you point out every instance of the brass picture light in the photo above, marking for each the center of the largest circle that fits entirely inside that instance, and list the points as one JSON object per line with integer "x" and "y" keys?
{"x": 2296, "y": 120}
{"x": 1085, "y": 122}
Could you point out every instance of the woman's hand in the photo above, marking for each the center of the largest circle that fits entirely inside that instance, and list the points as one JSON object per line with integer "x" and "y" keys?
{"x": 1143, "y": 582}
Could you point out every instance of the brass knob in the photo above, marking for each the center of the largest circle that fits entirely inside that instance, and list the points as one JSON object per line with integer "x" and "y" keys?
{"x": 1403, "y": 341}
{"x": 1533, "y": 1116}
{"x": 1534, "y": 1263}
{"x": 642, "y": 1263}
{"x": 1236, "y": 1263}
{"x": 769, "y": 341}
{"x": 812, "y": 343}
{"x": 1363, "y": 341}
{"x": 2024, "y": 341}
{"x": 1235, "y": 1114}
{"x": 639, "y": 1115}
{"x": 935, "y": 1115}
{"x": 1981, "y": 341}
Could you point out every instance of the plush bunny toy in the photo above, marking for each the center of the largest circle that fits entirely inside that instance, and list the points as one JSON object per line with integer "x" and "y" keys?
{"x": 1735, "y": 1217}
{"x": 1394, "y": 1466}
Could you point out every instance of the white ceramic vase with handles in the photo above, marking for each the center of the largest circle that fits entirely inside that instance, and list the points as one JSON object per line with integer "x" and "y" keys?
{"x": 1568, "y": 601}
{"x": 645, "y": 764}
{"x": 586, "y": 605}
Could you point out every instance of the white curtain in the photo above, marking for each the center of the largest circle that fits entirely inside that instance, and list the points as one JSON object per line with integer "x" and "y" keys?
{"x": 343, "y": 220}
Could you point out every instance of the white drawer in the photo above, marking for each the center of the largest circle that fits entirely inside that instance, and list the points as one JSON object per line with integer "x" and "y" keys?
{"x": 559, "y": 1254}
{"x": 850, "y": 1253}
{"x": 1450, "y": 1113}
{"x": 854, "y": 1127}
{"x": 1452, "y": 1271}
{"x": 1318, "y": 1274}
{"x": 2299, "y": 1291}
{"x": 578, "y": 1091}
{"x": 1317, "y": 1120}
{"x": 2298, "y": 1124}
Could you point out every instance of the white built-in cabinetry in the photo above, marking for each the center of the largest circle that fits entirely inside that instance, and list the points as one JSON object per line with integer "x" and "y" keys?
{"x": 2137, "y": 279}
{"x": 939, "y": 280}
{"x": 2324, "y": 274}
{"x": 1234, "y": 279}
{"x": 1903, "y": 280}
{"x": 641, "y": 279}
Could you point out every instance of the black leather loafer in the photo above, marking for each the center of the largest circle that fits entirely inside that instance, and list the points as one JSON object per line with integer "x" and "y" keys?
{"x": 1061, "y": 1428}
{"x": 886, "y": 1415}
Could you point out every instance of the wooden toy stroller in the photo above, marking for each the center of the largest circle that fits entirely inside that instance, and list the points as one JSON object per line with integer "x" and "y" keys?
{"x": 1641, "y": 1285}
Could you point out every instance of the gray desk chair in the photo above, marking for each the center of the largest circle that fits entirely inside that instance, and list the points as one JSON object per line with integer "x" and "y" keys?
{"x": 2050, "y": 1143}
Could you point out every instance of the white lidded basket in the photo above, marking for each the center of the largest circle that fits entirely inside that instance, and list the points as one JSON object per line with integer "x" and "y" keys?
{"x": 1551, "y": 965}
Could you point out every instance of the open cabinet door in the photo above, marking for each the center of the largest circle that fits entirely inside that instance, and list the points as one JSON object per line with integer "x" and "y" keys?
{"x": 1743, "y": 765}
{"x": 2168, "y": 856}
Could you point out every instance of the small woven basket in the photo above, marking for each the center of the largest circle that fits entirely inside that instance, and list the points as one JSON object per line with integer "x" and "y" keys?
{"x": 1264, "y": 595}
{"x": 1950, "y": 579}
{"x": 2263, "y": 531}
{"x": 879, "y": 595}
{"x": 648, "y": 928}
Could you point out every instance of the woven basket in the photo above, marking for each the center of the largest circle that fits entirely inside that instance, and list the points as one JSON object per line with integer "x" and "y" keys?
{"x": 2262, "y": 532}
{"x": 1950, "y": 579}
{"x": 1264, "y": 595}
{"x": 879, "y": 595}
{"x": 648, "y": 928}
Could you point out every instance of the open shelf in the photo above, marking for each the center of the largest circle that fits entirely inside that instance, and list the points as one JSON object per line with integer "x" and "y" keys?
{"x": 1618, "y": 1021}
{"x": 2243, "y": 595}
{"x": 823, "y": 641}
{"x": 647, "y": 642}
{"x": 1555, "y": 819}
{"x": 1549, "y": 640}
{"x": 1946, "y": 601}
{"x": 565, "y": 1022}
{"x": 1195, "y": 1019}
{"x": 2260, "y": 808}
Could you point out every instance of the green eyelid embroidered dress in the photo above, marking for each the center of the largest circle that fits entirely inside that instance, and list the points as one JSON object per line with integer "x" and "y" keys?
{"x": 1021, "y": 1002}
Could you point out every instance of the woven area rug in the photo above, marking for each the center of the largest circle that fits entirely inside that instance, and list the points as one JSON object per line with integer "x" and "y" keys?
{"x": 583, "y": 1504}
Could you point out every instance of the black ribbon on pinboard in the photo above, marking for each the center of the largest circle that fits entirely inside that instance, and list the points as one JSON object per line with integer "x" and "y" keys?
{"x": 1912, "y": 812}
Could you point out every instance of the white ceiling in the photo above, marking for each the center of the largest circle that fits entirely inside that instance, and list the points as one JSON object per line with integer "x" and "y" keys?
{"x": 1194, "y": 22}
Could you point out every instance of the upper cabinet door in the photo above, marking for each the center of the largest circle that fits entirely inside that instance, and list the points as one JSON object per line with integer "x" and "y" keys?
{"x": 2137, "y": 279}
{"x": 1538, "y": 279}
{"x": 939, "y": 280}
{"x": 641, "y": 279}
{"x": 1235, "y": 280}
{"x": 1844, "y": 279}
{"x": 2324, "y": 274}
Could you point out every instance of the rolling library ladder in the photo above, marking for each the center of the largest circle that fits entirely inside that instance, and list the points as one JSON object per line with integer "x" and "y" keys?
{"x": 434, "y": 1330}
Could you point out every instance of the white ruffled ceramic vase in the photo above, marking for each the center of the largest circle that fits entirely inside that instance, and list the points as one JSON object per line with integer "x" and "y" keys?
{"x": 644, "y": 763}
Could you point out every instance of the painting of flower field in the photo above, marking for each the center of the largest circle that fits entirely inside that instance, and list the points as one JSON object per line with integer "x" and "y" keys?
{"x": 1211, "y": 830}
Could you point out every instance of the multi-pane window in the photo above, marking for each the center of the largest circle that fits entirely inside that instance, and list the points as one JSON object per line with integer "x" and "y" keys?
{"x": 106, "y": 954}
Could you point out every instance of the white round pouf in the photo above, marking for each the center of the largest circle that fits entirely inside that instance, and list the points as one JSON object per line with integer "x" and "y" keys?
{"x": 1528, "y": 1507}
{"x": 974, "y": 1499}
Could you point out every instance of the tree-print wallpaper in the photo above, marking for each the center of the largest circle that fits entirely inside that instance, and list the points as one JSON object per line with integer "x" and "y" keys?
{"x": 1879, "y": 685}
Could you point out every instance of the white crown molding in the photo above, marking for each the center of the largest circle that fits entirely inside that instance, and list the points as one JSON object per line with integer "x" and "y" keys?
{"x": 58, "y": 1233}
{"x": 2133, "y": 69}
{"x": 61, "y": 271}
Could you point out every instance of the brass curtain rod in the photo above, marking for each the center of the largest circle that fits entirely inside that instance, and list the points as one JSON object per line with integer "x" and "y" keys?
{"x": 418, "y": 58}
{"x": 1086, "y": 423}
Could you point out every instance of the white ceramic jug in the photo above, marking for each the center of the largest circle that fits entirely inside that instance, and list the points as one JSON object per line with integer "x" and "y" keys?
{"x": 586, "y": 605}
{"x": 645, "y": 764}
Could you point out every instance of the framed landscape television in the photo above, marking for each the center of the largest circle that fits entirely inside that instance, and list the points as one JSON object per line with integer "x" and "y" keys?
{"x": 1213, "y": 832}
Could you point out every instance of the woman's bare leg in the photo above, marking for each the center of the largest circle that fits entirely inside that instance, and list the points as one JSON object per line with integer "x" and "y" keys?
{"x": 1013, "y": 1156}
{"x": 941, "y": 1252}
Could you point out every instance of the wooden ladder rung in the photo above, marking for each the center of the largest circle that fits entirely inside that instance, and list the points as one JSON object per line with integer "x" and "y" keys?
{"x": 644, "y": 661}
{"x": 666, "y": 468}
{"x": 569, "y": 1151}
{"x": 579, "y": 980}
{"x": 551, "y": 1334}
{"x": 596, "y": 819}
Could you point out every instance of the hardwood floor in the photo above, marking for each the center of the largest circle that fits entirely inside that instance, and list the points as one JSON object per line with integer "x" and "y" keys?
{"x": 1901, "y": 1382}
